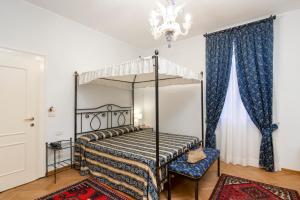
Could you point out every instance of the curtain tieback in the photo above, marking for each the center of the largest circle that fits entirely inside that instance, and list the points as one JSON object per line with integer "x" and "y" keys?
{"x": 269, "y": 130}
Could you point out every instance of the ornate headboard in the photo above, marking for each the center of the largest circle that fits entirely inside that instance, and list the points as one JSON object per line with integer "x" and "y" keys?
{"x": 102, "y": 117}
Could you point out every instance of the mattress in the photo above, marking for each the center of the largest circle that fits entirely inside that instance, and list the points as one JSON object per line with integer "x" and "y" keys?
{"x": 125, "y": 158}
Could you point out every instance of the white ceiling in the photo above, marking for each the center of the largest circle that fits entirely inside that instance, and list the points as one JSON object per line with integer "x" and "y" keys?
{"x": 127, "y": 20}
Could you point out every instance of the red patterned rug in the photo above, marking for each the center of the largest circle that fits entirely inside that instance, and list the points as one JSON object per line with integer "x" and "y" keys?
{"x": 88, "y": 189}
{"x": 235, "y": 188}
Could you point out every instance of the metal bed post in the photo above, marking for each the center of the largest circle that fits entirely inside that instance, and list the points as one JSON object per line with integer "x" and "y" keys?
{"x": 132, "y": 98}
{"x": 75, "y": 105}
{"x": 157, "y": 118}
{"x": 202, "y": 111}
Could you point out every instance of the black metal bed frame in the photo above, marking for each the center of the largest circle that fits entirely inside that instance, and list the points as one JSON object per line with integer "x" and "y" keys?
{"x": 102, "y": 117}
{"x": 107, "y": 113}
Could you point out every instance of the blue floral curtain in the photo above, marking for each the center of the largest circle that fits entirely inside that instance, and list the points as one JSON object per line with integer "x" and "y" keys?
{"x": 218, "y": 62}
{"x": 254, "y": 56}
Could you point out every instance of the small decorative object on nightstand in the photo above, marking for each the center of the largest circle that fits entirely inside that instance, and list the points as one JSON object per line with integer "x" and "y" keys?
{"x": 57, "y": 147}
{"x": 145, "y": 127}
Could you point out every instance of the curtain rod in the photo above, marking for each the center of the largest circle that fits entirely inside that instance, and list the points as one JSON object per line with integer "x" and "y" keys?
{"x": 272, "y": 17}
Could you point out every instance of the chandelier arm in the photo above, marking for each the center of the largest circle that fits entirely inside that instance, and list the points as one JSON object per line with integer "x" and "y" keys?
{"x": 185, "y": 32}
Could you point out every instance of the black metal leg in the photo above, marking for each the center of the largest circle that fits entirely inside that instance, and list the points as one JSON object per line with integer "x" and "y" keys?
{"x": 169, "y": 186}
{"x": 54, "y": 166}
{"x": 219, "y": 173}
{"x": 202, "y": 113}
{"x": 71, "y": 153}
{"x": 196, "y": 189}
{"x": 46, "y": 158}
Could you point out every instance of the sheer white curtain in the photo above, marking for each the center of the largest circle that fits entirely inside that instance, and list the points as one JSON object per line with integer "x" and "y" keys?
{"x": 237, "y": 137}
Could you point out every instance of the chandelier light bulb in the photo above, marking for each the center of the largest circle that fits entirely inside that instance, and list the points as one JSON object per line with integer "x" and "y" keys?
{"x": 153, "y": 14}
{"x": 188, "y": 18}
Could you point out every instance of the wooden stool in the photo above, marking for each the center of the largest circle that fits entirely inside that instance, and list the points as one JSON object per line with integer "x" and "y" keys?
{"x": 195, "y": 171}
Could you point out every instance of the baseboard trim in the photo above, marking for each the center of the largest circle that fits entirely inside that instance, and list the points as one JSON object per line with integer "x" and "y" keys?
{"x": 291, "y": 171}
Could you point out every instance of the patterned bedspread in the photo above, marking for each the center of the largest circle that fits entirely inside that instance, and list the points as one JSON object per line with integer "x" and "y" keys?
{"x": 124, "y": 158}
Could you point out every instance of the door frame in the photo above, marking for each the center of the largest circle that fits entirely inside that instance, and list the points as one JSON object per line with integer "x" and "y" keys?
{"x": 41, "y": 112}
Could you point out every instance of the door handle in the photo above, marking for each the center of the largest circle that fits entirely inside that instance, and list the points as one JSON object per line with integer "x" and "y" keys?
{"x": 29, "y": 119}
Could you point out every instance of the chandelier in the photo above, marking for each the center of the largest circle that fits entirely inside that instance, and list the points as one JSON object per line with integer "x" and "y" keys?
{"x": 163, "y": 22}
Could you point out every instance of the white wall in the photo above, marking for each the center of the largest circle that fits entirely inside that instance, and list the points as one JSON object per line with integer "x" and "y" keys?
{"x": 186, "y": 99}
{"x": 180, "y": 109}
{"x": 180, "y": 106}
{"x": 67, "y": 46}
{"x": 287, "y": 87}
{"x": 189, "y": 52}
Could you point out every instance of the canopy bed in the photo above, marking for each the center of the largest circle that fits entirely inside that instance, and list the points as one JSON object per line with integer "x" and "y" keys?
{"x": 109, "y": 146}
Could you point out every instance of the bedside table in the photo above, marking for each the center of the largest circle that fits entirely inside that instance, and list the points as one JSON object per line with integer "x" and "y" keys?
{"x": 62, "y": 145}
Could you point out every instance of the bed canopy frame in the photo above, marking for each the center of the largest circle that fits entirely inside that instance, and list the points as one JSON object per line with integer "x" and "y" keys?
{"x": 114, "y": 114}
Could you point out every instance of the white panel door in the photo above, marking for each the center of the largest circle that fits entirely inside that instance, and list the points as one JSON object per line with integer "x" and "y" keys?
{"x": 19, "y": 89}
